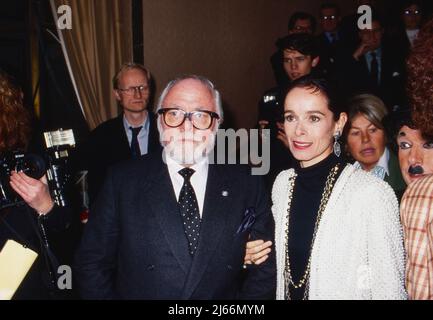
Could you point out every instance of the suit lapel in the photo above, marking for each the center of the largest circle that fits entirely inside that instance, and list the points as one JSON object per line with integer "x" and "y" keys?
{"x": 123, "y": 143}
{"x": 387, "y": 66}
{"x": 364, "y": 65}
{"x": 153, "y": 140}
{"x": 163, "y": 203}
{"x": 215, "y": 211}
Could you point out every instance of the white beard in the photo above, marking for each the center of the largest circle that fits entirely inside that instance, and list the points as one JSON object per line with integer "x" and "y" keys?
{"x": 187, "y": 148}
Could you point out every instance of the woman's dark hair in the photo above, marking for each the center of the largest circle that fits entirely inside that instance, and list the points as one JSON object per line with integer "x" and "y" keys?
{"x": 326, "y": 88}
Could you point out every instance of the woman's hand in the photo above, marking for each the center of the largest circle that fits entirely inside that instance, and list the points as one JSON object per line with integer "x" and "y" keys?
{"x": 34, "y": 192}
{"x": 257, "y": 252}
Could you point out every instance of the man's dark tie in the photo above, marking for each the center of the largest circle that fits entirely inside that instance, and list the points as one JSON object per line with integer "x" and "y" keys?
{"x": 135, "y": 146}
{"x": 189, "y": 210}
{"x": 333, "y": 37}
{"x": 374, "y": 69}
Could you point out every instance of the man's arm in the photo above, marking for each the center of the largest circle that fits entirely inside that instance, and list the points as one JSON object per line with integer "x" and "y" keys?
{"x": 260, "y": 282}
{"x": 95, "y": 261}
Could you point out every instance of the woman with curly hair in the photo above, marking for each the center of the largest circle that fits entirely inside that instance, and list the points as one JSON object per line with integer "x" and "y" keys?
{"x": 24, "y": 223}
{"x": 417, "y": 204}
{"x": 14, "y": 118}
{"x": 420, "y": 80}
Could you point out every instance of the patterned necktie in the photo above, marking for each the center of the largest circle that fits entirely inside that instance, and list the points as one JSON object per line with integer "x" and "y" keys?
{"x": 374, "y": 69}
{"x": 189, "y": 210}
{"x": 135, "y": 146}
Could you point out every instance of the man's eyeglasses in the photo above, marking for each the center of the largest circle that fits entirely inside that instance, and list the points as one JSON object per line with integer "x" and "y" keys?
{"x": 200, "y": 119}
{"x": 132, "y": 90}
{"x": 329, "y": 17}
{"x": 412, "y": 12}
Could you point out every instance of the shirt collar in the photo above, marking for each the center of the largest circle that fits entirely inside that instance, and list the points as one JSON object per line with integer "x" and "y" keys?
{"x": 412, "y": 33}
{"x": 378, "y": 53}
{"x": 145, "y": 124}
{"x": 383, "y": 161}
{"x": 332, "y": 36}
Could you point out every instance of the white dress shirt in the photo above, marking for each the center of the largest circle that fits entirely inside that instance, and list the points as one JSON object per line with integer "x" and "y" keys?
{"x": 412, "y": 35}
{"x": 198, "y": 179}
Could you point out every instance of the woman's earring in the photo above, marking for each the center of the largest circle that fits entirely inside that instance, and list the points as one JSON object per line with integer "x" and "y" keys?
{"x": 337, "y": 147}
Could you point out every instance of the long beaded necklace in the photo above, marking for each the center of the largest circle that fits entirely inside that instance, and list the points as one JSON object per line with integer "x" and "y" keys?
{"x": 288, "y": 280}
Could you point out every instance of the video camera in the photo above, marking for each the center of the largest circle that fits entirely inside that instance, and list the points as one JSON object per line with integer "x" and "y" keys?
{"x": 54, "y": 163}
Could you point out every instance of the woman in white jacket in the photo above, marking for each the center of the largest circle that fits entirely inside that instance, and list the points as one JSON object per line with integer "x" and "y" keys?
{"x": 338, "y": 234}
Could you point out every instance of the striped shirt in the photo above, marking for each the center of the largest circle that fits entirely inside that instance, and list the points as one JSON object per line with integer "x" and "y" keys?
{"x": 417, "y": 219}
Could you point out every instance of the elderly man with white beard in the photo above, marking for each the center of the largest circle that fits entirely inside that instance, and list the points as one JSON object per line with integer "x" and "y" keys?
{"x": 174, "y": 226}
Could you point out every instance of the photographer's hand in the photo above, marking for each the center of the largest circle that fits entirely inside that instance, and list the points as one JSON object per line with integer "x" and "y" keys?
{"x": 282, "y": 135}
{"x": 34, "y": 192}
{"x": 262, "y": 125}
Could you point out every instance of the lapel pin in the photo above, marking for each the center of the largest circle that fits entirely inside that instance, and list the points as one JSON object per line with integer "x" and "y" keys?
{"x": 225, "y": 193}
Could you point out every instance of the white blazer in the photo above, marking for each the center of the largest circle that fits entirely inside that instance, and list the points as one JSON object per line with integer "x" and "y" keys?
{"x": 358, "y": 252}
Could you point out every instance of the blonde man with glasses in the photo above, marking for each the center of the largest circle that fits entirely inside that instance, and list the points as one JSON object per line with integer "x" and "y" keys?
{"x": 131, "y": 134}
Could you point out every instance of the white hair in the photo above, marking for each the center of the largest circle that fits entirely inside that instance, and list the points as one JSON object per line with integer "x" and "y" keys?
{"x": 206, "y": 82}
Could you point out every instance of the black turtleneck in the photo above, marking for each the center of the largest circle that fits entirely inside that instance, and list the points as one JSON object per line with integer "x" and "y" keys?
{"x": 307, "y": 194}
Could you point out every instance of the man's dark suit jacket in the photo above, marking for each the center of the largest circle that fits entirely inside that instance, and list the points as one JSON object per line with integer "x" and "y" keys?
{"x": 329, "y": 54}
{"x": 134, "y": 246}
{"x": 108, "y": 145}
{"x": 354, "y": 78}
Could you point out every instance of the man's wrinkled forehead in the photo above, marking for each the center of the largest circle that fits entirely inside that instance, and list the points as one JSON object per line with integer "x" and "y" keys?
{"x": 191, "y": 91}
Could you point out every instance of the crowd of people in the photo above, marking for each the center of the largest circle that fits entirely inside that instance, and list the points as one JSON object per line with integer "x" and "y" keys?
{"x": 344, "y": 213}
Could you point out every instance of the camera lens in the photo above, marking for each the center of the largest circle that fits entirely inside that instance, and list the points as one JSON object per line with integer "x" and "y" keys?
{"x": 33, "y": 166}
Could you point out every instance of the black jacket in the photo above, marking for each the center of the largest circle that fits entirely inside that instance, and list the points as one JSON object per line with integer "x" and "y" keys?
{"x": 134, "y": 246}
{"x": 108, "y": 145}
{"x": 354, "y": 78}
